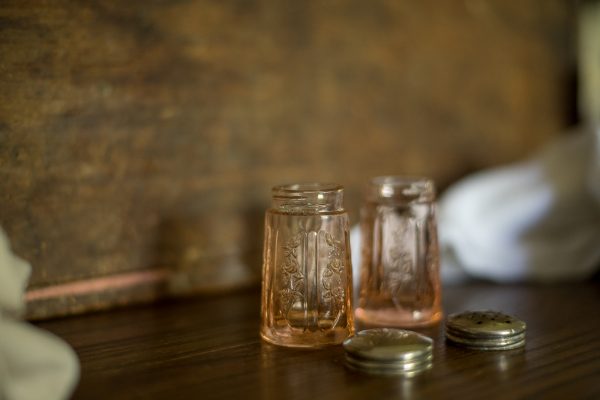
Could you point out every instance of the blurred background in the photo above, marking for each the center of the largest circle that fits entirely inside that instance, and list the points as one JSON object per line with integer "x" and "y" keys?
{"x": 139, "y": 140}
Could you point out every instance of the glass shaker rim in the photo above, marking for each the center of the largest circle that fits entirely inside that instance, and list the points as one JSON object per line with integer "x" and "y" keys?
{"x": 401, "y": 189}
{"x": 308, "y": 198}
{"x": 306, "y": 187}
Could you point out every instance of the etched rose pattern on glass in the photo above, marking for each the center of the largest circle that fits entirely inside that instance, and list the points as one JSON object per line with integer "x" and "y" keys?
{"x": 307, "y": 274}
{"x": 400, "y": 267}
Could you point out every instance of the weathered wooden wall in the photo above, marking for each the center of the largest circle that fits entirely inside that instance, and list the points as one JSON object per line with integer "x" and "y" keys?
{"x": 145, "y": 135}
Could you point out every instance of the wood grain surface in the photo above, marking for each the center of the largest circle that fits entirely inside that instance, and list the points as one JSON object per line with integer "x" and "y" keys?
{"x": 146, "y": 134}
{"x": 209, "y": 348}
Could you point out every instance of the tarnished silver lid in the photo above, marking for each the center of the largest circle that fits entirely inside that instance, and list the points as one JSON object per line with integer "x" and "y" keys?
{"x": 486, "y": 330}
{"x": 389, "y": 351}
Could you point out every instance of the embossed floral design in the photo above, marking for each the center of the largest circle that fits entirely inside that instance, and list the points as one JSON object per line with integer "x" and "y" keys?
{"x": 292, "y": 290}
{"x": 333, "y": 290}
{"x": 400, "y": 274}
{"x": 409, "y": 268}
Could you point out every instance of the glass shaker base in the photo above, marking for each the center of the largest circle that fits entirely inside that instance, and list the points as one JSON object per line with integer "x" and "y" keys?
{"x": 392, "y": 316}
{"x": 307, "y": 340}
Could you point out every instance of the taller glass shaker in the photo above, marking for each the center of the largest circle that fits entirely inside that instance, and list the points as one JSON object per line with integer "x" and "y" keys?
{"x": 400, "y": 262}
{"x": 307, "y": 273}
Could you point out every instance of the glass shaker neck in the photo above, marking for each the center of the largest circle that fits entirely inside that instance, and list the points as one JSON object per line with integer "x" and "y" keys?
{"x": 308, "y": 198}
{"x": 401, "y": 190}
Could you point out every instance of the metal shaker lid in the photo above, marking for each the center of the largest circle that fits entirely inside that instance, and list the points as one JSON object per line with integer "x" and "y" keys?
{"x": 389, "y": 351}
{"x": 486, "y": 330}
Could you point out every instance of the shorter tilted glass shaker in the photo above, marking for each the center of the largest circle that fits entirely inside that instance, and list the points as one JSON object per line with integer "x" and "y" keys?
{"x": 399, "y": 284}
{"x": 307, "y": 273}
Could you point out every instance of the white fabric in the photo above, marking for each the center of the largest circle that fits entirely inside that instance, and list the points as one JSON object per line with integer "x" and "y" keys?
{"x": 534, "y": 221}
{"x": 34, "y": 364}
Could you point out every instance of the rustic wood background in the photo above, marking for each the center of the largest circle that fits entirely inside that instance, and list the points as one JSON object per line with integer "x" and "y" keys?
{"x": 145, "y": 135}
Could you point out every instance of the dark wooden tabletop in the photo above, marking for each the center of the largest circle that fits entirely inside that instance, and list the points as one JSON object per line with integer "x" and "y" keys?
{"x": 209, "y": 348}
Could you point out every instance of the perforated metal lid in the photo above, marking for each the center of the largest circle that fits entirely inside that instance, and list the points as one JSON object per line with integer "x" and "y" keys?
{"x": 389, "y": 351}
{"x": 486, "y": 330}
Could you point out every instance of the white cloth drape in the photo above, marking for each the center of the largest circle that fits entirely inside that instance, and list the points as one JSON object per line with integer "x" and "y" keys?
{"x": 34, "y": 364}
{"x": 534, "y": 221}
